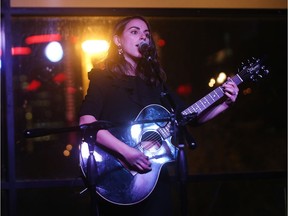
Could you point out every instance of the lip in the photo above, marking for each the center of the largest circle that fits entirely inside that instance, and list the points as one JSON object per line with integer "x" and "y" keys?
{"x": 145, "y": 42}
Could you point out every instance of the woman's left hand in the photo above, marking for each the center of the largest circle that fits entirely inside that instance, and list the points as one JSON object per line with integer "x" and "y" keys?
{"x": 231, "y": 91}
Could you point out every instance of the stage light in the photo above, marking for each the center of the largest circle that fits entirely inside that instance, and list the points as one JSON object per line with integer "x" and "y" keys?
{"x": 66, "y": 153}
{"x": 69, "y": 147}
{"x": 85, "y": 152}
{"x": 59, "y": 78}
{"x": 20, "y": 50}
{"x": 33, "y": 85}
{"x": 54, "y": 51}
{"x": 221, "y": 77}
{"x": 211, "y": 82}
{"x": 42, "y": 38}
{"x": 161, "y": 42}
{"x": 184, "y": 89}
{"x": 95, "y": 46}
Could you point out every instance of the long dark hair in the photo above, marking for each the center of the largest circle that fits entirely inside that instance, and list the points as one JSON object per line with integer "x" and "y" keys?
{"x": 148, "y": 70}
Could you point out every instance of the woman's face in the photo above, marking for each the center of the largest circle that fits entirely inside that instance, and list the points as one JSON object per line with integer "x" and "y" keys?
{"x": 135, "y": 31}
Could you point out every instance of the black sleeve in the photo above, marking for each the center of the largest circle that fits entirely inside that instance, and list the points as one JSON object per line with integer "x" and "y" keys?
{"x": 93, "y": 100}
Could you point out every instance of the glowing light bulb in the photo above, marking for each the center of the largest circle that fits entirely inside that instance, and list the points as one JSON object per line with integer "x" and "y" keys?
{"x": 54, "y": 51}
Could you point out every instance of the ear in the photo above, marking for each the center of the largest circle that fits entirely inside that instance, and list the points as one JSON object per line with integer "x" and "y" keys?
{"x": 117, "y": 40}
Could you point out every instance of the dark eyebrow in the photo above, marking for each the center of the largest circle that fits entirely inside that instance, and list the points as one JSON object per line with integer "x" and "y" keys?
{"x": 147, "y": 30}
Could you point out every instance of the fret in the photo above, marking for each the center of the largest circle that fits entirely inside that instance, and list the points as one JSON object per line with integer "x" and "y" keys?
{"x": 161, "y": 131}
{"x": 219, "y": 91}
{"x": 203, "y": 103}
{"x": 237, "y": 79}
{"x": 216, "y": 93}
{"x": 200, "y": 105}
{"x": 165, "y": 132}
{"x": 213, "y": 96}
{"x": 209, "y": 99}
{"x": 188, "y": 110}
{"x": 196, "y": 107}
{"x": 193, "y": 109}
{"x": 206, "y": 101}
{"x": 167, "y": 129}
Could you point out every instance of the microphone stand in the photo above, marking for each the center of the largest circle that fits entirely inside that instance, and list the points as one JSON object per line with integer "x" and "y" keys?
{"x": 89, "y": 132}
{"x": 182, "y": 137}
{"x": 89, "y": 136}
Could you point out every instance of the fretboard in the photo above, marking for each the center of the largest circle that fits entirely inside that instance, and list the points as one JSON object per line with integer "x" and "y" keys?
{"x": 209, "y": 99}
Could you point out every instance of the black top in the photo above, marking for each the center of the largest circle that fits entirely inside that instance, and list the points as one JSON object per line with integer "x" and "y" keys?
{"x": 120, "y": 100}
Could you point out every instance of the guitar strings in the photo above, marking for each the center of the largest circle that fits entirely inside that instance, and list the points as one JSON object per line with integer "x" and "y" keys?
{"x": 151, "y": 139}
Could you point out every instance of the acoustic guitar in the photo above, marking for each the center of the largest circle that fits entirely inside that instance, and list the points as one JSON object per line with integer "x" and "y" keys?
{"x": 119, "y": 185}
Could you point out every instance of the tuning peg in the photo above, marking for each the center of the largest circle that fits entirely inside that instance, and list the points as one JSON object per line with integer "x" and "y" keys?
{"x": 263, "y": 68}
{"x": 252, "y": 78}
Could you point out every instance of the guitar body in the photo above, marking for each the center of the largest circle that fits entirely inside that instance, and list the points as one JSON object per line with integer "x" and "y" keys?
{"x": 115, "y": 182}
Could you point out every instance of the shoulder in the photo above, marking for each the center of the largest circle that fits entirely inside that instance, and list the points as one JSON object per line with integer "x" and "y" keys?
{"x": 98, "y": 74}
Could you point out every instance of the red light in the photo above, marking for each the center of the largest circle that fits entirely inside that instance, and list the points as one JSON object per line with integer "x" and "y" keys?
{"x": 33, "y": 85}
{"x": 184, "y": 89}
{"x": 71, "y": 90}
{"x": 20, "y": 50}
{"x": 59, "y": 78}
{"x": 42, "y": 38}
{"x": 161, "y": 42}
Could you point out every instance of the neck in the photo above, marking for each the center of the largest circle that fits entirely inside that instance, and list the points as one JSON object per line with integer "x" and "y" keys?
{"x": 132, "y": 65}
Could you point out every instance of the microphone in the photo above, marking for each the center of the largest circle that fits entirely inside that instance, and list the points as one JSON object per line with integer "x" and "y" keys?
{"x": 144, "y": 48}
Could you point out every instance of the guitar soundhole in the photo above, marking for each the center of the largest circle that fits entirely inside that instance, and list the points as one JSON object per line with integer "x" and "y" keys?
{"x": 151, "y": 141}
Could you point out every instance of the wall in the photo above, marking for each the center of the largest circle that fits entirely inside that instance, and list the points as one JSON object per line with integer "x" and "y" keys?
{"x": 247, "y": 4}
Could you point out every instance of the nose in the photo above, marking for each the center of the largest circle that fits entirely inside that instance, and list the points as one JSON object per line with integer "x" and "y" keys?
{"x": 143, "y": 36}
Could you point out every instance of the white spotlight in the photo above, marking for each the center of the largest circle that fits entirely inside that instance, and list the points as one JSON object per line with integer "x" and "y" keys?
{"x": 54, "y": 51}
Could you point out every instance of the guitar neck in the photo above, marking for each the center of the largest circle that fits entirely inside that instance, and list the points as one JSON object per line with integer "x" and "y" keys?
{"x": 209, "y": 99}
{"x": 253, "y": 71}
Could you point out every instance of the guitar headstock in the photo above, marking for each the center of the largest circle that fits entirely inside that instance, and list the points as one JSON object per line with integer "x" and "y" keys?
{"x": 252, "y": 69}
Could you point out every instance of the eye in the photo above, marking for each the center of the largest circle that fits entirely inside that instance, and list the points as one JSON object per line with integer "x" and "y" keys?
{"x": 134, "y": 32}
{"x": 147, "y": 35}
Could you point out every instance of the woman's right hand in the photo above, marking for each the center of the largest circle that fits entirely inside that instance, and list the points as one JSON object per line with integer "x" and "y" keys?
{"x": 136, "y": 160}
{"x": 131, "y": 157}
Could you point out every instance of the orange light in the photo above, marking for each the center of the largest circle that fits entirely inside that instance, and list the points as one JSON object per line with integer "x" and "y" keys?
{"x": 247, "y": 91}
{"x": 69, "y": 147}
{"x": 66, "y": 153}
{"x": 42, "y": 38}
{"x": 20, "y": 50}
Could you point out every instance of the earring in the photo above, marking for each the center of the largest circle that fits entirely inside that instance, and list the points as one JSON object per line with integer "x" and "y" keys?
{"x": 120, "y": 50}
